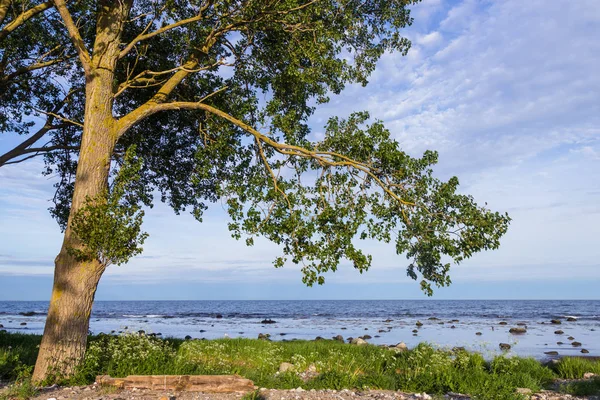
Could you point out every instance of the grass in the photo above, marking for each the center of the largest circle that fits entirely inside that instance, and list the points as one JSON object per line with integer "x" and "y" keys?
{"x": 337, "y": 365}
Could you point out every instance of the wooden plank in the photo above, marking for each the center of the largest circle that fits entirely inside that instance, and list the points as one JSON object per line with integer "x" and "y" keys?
{"x": 193, "y": 383}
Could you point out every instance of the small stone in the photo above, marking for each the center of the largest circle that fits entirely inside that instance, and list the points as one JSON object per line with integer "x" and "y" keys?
{"x": 571, "y": 338}
{"x": 366, "y": 337}
{"x": 504, "y": 346}
{"x": 23, "y": 323}
{"x": 419, "y": 323}
{"x": 52, "y": 398}
{"x": 559, "y": 343}
{"x": 575, "y": 344}
{"x": 555, "y": 321}
{"x": 219, "y": 316}
{"x": 415, "y": 331}
{"x": 522, "y": 324}
{"x": 432, "y": 318}
{"x": 318, "y": 338}
{"x": 558, "y": 332}
{"x": 299, "y": 389}
{"x": 285, "y": 366}
{"x": 452, "y": 327}
{"x": 402, "y": 346}
{"x": 202, "y": 331}
{"x": 551, "y": 353}
{"x": 478, "y": 333}
{"x": 502, "y": 323}
{"x": 589, "y": 375}
{"x": 585, "y": 351}
{"x": 572, "y": 319}
{"x": 268, "y": 321}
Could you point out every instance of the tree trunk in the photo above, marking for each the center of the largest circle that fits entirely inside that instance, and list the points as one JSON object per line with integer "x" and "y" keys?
{"x": 75, "y": 282}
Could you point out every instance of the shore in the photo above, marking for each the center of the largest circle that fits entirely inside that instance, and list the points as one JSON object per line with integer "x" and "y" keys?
{"x": 475, "y": 325}
{"x": 307, "y": 366}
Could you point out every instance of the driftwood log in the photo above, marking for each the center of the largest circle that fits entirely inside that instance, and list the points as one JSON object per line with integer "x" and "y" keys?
{"x": 193, "y": 383}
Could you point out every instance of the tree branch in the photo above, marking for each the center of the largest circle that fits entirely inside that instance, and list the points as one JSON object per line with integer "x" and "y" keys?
{"x": 144, "y": 36}
{"x": 21, "y": 19}
{"x": 325, "y": 158}
{"x": 84, "y": 55}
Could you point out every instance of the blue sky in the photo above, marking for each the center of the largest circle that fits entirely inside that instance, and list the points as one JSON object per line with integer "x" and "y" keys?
{"x": 507, "y": 91}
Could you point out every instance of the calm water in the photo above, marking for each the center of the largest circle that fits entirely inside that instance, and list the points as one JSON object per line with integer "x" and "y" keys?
{"x": 445, "y": 323}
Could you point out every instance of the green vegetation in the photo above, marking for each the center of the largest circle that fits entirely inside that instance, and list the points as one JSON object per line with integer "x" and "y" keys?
{"x": 321, "y": 364}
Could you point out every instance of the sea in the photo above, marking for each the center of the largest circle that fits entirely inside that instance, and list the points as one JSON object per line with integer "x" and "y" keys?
{"x": 477, "y": 325}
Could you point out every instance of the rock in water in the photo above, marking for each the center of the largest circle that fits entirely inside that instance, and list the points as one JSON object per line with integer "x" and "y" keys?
{"x": 365, "y": 337}
{"x": 419, "y": 323}
{"x": 571, "y": 319}
{"x": 339, "y": 338}
{"x": 504, "y": 346}
{"x": 517, "y": 331}
{"x": 576, "y": 344}
{"x": 584, "y": 351}
{"x": 478, "y": 333}
{"x": 502, "y": 323}
{"x": 551, "y": 353}
{"x": 555, "y": 321}
{"x": 268, "y": 321}
{"x": 559, "y": 332}
{"x": 188, "y": 337}
{"x": 264, "y": 336}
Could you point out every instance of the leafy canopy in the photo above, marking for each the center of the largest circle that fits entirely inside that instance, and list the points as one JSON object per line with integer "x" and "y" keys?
{"x": 215, "y": 97}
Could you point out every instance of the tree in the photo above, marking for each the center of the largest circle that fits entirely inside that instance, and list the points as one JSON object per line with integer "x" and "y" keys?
{"x": 204, "y": 101}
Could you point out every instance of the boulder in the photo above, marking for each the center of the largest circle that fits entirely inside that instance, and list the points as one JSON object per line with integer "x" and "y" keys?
{"x": 504, "y": 346}
{"x": 517, "y": 331}
{"x": 576, "y": 344}
{"x": 359, "y": 342}
{"x": 285, "y": 366}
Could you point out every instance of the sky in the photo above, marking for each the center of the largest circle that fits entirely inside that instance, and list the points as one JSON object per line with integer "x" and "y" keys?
{"x": 507, "y": 91}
